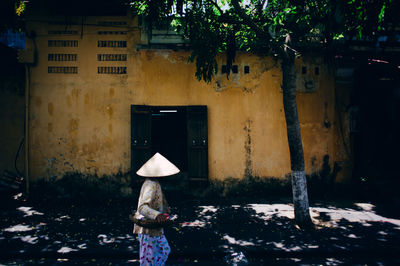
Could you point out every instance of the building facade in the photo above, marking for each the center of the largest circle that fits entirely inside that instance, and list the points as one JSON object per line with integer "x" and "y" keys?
{"x": 103, "y": 99}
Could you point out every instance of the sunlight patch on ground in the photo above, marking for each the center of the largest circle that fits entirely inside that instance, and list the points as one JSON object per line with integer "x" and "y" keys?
{"x": 82, "y": 246}
{"x": 365, "y": 206}
{"x": 17, "y": 196}
{"x": 333, "y": 261}
{"x": 324, "y": 216}
{"x": 233, "y": 241}
{"x": 207, "y": 209}
{"x": 29, "y": 239}
{"x": 103, "y": 239}
{"x": 204, "y": 215}
{"x": 355, "y": 216}
{"x": 28, "y": 211}
{"x": 364, "y": 216}
{"x": 282, "y": 246}
{"x": 236, "y": 258}
{"x": 59, "y": 219}
{"x": 19, "y": 228}
{"x": 195, "y": 223}
{"x": 66, "y": 250}
{"x": 268, "y": 211}
{"x": 127, "y": 237}
{"x": 353, "y": 236}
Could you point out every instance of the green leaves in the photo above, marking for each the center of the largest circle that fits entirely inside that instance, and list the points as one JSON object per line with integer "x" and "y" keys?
{"x": 224, "y": 26}
{"x": 381, "y": 16}
{"x": 20, "y": 7}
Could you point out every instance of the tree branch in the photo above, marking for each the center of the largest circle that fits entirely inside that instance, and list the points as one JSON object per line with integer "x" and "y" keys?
{"x": 280, "y": 49}
{"x": 246, "y": 19}
{"x": 216, "y": 5}
{"x": 261, "y": 6}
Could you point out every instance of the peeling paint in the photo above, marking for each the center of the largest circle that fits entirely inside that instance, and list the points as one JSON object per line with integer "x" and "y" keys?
{"x": 110, "y": 111}
{"x": 247, "y": 90}
{"x": 75, "y": 92}
{"x": 51, "y": 163}
{"x": 73, "y": 125}
{"x": 149, "y": 55}
{"x": 165, "y": 55}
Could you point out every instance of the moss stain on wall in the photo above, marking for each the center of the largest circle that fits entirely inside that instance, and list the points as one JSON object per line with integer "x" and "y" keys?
{"x": 247, "y": 146}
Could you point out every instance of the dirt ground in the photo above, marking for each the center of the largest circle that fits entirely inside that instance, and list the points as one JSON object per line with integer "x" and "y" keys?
{"x": 229, "y": 232}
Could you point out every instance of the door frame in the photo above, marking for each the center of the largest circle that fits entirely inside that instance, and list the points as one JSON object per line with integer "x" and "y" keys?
{"x": 197, "y": 152}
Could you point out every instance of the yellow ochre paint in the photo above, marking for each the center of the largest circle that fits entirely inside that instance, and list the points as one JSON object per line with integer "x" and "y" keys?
{"x": 83, "y": 120}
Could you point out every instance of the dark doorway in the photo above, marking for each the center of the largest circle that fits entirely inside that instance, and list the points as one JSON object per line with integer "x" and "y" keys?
{"x": 376, "y": 141}
{"x": 169, "y": 134}
{"x": 180, "y": 133}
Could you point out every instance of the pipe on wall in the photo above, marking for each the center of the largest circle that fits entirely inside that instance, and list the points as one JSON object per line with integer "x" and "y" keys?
{"x": 27, "y": 96}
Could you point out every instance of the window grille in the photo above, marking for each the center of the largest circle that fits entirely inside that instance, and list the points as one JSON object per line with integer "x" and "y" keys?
{"x": 62, "y": 57}
{"x": 62, "y": 43}
{"x": 111, "y": 57}
{"x": 62, "y": 70}
{"x": 111, "y": 70}
{"x": 62, "y": 32}
{"x": 57, "y": 23}
{"x": 116, "y": 44}
{"x": 112, "y": 23}
{"x": 111, "y": 32}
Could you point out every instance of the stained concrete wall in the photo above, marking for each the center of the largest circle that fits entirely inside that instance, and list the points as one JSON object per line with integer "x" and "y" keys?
{"x": 81, "y": 122}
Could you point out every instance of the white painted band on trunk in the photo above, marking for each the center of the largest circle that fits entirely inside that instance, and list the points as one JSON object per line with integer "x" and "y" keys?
{"x": 300, "y": 195}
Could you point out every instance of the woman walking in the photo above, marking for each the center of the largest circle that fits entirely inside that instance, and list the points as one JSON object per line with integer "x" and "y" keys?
{"x": 152, "y": 205}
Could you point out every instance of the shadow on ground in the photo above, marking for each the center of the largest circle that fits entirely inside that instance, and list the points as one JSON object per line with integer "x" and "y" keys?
{"x": 60, "y": 232}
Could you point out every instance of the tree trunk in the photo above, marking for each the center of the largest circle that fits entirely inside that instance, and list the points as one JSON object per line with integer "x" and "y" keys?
{"x": 298, "y": 175}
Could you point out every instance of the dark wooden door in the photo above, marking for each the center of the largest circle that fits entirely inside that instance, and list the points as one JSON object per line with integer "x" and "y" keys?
{"x": 197, "y": 137}
{"x": 140, "y": 136}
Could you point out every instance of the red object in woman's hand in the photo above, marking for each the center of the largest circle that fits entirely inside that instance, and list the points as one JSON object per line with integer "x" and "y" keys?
{"x": 162, "y": 217}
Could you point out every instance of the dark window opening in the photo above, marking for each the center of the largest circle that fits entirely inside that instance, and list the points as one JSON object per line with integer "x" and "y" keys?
{"x": 235, "y": 69}
{"x": 316, "y": 71}
{"x": 304, "y": 70}
{"x": 223, "y": 69}
{"x": 169, "y": 134}
{"x": 246, "y": 69}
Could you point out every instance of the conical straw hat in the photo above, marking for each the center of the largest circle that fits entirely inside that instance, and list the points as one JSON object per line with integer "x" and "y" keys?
{"x": 157, "y": 166}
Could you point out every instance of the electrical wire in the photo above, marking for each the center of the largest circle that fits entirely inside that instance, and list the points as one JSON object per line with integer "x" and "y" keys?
{"x": 17, "y": 155}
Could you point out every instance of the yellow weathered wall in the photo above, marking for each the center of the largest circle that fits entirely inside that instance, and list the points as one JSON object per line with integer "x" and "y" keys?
{"x": 81, "y": 122}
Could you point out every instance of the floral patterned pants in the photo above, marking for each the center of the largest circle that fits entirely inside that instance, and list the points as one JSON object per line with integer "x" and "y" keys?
{"x": 154, "y": 250}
